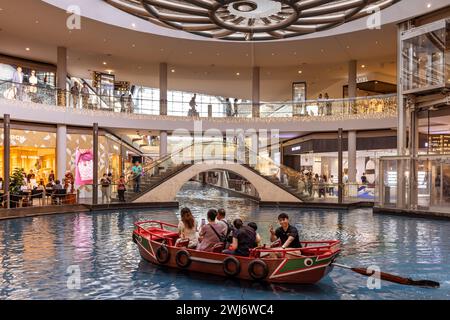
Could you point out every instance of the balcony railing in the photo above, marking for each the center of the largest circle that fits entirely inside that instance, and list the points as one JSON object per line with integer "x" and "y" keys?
{"x": 373, "y": 106}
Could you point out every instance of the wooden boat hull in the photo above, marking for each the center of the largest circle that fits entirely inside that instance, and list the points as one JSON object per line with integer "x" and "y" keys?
{"x": 288, "y": 269}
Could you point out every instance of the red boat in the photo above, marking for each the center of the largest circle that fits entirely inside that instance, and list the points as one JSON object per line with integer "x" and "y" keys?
{"x": 308, "y": 265}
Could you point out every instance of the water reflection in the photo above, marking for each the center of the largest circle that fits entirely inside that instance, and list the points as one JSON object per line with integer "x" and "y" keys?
{"x": 36, "y": 252}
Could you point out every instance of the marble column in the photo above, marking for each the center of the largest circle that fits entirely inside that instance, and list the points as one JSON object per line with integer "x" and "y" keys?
{"x": 256, "y": 92}
{"x": 61, "y": 76}
{"x": 353, "y": 190}
{"x": 61, "y": 153}
{"x": 163, "y": 89}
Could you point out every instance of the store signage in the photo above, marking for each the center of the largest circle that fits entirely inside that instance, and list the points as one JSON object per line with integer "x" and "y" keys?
{"x": 84, "y": 170}
{"x": 20, "y": 139}
{"x": 298, "y": 148}
{"x": 362, "y": 79}
{"x": 439, "y": 143}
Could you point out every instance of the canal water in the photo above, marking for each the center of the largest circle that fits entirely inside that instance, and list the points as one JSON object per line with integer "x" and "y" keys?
{"x": 40, "y": 256}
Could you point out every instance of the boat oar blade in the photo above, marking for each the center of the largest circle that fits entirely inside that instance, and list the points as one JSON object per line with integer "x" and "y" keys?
{"x": 393, "y": 278}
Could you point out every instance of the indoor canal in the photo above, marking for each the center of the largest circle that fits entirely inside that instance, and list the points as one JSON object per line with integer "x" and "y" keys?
{"x": 39, "y": 255}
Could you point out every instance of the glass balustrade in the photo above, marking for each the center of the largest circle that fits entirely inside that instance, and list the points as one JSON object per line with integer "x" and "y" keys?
{"x": 374, "y": 106}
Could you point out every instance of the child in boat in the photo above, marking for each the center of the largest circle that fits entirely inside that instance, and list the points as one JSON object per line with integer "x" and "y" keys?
{"x": 287, "y": 234}
{"x": 187, "y": 228}
{"x": 212, "y": 233}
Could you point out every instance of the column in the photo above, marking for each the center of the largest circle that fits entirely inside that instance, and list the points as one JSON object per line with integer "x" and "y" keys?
{"x": 401, "y": 123}
{"x": 352, "y": 86}
{"x": 352, "y": 188}
{"x": 162, "y": 144}
{"x": 255, "y": 92}
{"x": 340, "y": 166}
{"x": 61, "y": 154}
{"x": 163, "y": 89}
{"x": 61, "y": 76}
{"x": 6, "y": 157}
{"x": 95, "y": 173}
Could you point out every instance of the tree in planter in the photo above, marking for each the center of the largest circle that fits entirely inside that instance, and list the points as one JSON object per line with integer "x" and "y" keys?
{"x": 16, "y": 182}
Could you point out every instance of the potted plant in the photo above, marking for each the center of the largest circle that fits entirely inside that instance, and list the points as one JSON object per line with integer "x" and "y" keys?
{"x": 16, "y": 182}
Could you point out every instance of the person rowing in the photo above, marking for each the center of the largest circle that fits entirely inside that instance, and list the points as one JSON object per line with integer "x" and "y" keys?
{"x": 286, "y": 233}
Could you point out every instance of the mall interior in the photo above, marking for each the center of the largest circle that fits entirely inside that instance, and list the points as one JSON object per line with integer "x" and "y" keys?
{"x": 328, "y": 102}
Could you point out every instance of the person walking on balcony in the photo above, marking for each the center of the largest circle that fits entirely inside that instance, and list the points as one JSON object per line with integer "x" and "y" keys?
{"x": 75, "y": 92}
{"x": 85, "y": 96}
{"x": 137, "y": 173}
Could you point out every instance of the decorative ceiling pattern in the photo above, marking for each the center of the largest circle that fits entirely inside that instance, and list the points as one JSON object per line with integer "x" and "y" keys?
{"x": 251, "y": 20}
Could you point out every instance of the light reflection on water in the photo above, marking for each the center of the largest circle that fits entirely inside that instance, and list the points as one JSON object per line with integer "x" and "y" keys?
{"x": 36, "y": 252}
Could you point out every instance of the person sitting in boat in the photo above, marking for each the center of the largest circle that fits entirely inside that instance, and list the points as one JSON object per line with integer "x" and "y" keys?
{"x": 221, "y": 213}
{"x": 254, "y": 226}
{"x": 211, "y": 233}
{"x": 244, "y": 239}
{"x": 287, "y": 234}
{"x": 187, "y": 228}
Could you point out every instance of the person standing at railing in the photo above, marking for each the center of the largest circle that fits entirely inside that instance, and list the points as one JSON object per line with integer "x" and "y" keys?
{"x": 137, "y": 173}
{"x": 236, "y": 107}
{"x": 33, "y": 80}
{"x": 228, "y": 108}
{"x": 320, "y": 105}
{"x": 327, "y": 104}
{"x": 85, "y": 96}
{"x": 75, "y": 92}
{"x": 106, "y": 184}
{"x": 17, "y": 80}
{"x": 121, "y": 188}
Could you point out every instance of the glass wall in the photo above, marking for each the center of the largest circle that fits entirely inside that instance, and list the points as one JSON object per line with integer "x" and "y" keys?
{"x": 426, "y": 57}
{"x": 33, "y": 151}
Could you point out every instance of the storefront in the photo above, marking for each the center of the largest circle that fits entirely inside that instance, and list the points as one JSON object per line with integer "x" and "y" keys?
{"x": 32, "y": 150}
{"x": 319, "y": 154}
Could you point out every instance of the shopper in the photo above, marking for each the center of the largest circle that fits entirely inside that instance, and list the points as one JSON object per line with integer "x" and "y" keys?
{"x": 236, "y": 107}
{"x": 137, "y": 173}
{"x": 75, "y": 92}
{"x": 105, "y": 185}
{"x": 320, "y": 105}
{"x": 328, "y": 104}
{"x": 364, "y": 178}
{"x": 33, "y": 80}
{"x": 110, "y": 179}
{"x": 121, "y": 188}
{"x": 85, "y": 96}
{"x": 228, "y": 108}
{"x": 51, "y": 176}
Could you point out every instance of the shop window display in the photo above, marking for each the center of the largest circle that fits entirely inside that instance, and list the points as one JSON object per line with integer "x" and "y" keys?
{"x": 32, "y": 151}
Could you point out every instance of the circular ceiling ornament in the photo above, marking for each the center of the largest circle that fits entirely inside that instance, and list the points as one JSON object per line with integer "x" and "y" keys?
{"x": 251, "y": 20}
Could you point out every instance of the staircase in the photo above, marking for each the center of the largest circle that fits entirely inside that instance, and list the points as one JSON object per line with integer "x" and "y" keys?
{"x": 293, "y": 191}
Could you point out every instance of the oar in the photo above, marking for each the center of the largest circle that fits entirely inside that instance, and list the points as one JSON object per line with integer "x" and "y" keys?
{"x": 392, "y": 278}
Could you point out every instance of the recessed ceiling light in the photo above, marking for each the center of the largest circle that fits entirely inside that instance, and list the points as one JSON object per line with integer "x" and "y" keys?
{"x": 173, "y": 70}
{"x": 363, "y": 66}
{"x": 429, "y": 5}
{"x": 300, "y": 71}
{"x": 348, "y": 47}
{"x": 37, "y": 21}
{"x": 133, "y": 45}
{"x": 238, "y": 74}
{"x": 28, "y": 49}
{"x": 133, "y": 25}
{"x": 273, "y": 53}
{"x": 190, "y": 52}
{"x": 104, "y": 63}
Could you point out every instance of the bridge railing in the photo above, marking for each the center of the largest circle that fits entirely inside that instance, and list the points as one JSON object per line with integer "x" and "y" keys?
{"x": 373, "y": 106}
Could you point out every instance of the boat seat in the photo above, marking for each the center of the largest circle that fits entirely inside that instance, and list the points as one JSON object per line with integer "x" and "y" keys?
{"x": 182, "y": 243}
{"x": 218, "y": 247}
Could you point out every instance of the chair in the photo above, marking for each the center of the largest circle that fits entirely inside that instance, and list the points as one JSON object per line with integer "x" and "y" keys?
{"x": 37, "y": 194}
{"x": 57, "y": 195}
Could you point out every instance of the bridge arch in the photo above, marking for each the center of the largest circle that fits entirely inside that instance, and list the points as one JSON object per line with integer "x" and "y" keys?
{"x": 268, "y": 191}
